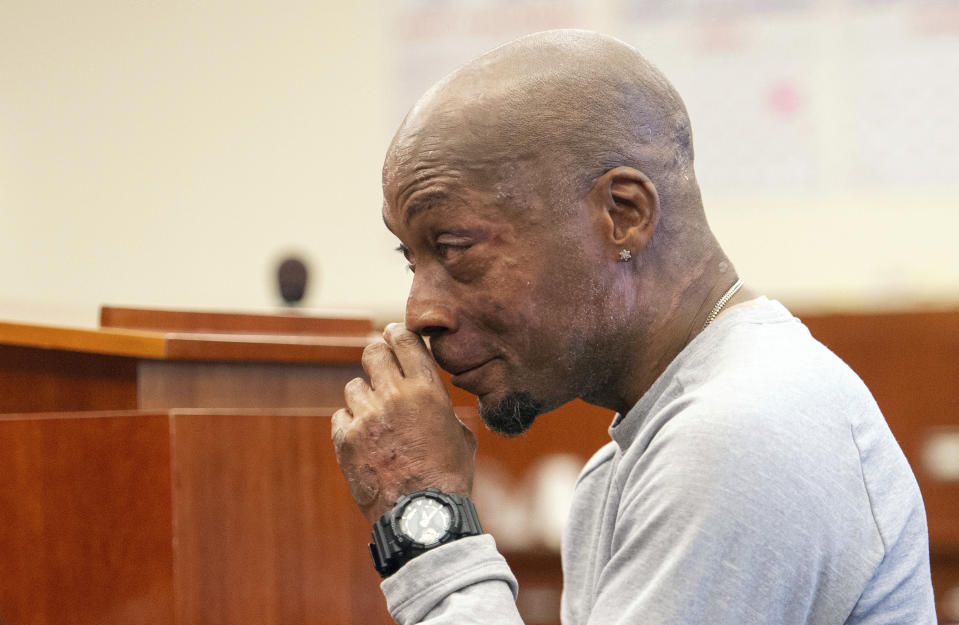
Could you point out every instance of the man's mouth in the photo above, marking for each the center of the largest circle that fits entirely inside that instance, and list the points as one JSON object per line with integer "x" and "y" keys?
{"x": 470, "y": 378}
{"x": 466, "y": 364}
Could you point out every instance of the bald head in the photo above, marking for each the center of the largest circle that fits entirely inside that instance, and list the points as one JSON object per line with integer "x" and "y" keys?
{"x": 550, "y": 113}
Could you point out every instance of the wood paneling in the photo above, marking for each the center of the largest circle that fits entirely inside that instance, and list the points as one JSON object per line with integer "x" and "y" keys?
{"x": 186, "y": 345}
{"x": 192, "y": 517}
{"x": 264, "y": 347}
{"x": 267, "y": 531}
{"x": 113, "y": 342}
{"x": 85, "y": 520}
{"x": 44, "y": 369}
{"x": 50, "y": 380}
{"x": 945, "y": 579}
{"x": 165, "y": 384}
{"x": 196, "y": 321}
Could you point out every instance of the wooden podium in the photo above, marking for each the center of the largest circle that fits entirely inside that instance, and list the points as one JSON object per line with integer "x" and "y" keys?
{"x": 179, "y": 470}
{"x": 226, "y": 361}
{"x": 204, "y": 517}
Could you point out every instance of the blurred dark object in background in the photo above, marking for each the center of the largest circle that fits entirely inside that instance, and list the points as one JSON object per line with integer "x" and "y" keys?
{"x": 292, "y": 277}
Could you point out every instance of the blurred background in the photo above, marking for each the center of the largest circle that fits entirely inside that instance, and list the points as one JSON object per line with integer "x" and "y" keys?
{"x": 173, "y": 154}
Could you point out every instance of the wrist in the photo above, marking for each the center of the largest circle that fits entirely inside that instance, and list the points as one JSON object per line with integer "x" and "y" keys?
{"x": 420, "y": 521}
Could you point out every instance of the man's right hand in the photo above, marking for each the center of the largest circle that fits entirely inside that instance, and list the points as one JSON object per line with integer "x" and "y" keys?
{"x": 398, "y": 432}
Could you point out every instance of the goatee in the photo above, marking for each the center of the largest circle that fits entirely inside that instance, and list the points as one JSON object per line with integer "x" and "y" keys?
{"x": 513, "y": 415}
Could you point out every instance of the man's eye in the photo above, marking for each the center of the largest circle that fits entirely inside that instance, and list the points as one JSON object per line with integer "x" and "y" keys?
{"x": 405, "y": 251}
{"x": 448, "y": 249}
{"x": 445, "y": 250}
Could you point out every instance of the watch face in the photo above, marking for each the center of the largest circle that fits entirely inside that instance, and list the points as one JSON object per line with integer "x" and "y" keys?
{"x": 425, "y": 520}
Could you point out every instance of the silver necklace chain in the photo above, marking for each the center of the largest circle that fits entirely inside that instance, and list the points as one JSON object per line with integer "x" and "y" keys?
{"x": 722, "y": 302}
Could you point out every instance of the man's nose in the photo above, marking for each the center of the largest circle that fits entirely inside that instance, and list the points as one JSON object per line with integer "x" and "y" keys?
{"x": 430, "y": 310}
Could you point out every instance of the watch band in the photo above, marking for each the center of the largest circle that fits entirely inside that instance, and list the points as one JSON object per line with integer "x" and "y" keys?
{"x": 392, "y": 548}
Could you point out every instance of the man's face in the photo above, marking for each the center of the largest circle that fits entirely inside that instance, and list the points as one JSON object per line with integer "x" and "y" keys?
{"x": 505, "y": 289}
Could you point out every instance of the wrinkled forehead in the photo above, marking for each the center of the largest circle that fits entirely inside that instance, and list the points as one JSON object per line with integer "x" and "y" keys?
{"x": 436, "y": 169}
{"x": 435, "y": 191}
{"x": 431, "y": 136}
{"x": 419, "y": 173}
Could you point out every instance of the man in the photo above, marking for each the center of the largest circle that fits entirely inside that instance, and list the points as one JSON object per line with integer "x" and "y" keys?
{"x": 545, "y": 198}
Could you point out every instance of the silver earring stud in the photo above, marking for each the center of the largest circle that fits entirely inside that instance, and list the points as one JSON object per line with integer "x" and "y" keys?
{"x": 625, "y": 256}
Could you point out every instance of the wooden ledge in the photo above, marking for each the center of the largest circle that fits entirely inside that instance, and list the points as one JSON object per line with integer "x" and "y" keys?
{"x": 188, "y": 345}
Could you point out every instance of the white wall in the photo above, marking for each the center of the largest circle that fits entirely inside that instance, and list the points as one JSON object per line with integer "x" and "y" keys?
{"x": 165, "y": 154}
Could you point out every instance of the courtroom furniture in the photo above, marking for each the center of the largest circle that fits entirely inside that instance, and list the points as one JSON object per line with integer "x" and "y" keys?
{"x": 148, "y": 515}
{"x": 187, "y": 517}
{"x": 231, "y": 322}
{"x": 50, "y": 369}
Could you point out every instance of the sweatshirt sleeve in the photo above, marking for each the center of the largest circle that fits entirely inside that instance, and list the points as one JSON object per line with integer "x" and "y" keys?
{"x": 466, "y": 581}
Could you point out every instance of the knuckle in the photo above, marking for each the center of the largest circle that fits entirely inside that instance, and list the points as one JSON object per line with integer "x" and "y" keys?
{"x": 340, "y": 419}
{"x": 393, "y": 401}
{"x": 340, "y": 430}
{"x": 375, "y": 349}
{"x": 399, "y": 335}
{"x": 422, "y": 387}
{"x": 407, "y": 339}
{"x": 392, "y": 329}
{"x": 354, "y": 385}
{"x": 339, "y": 438}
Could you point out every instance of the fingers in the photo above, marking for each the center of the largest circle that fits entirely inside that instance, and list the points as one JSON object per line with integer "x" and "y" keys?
{"x": 410, "y": 352}
{"x": 380, "y": 364}
{"x": 341, "y": 419}
{"x": 359, "y": 397}
{"x": 339, "y": 425}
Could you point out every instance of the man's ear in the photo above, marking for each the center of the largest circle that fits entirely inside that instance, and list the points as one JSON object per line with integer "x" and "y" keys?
{"x": 630, "y": 204}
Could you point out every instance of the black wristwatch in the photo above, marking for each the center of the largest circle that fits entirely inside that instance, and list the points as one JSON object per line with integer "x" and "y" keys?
{"x": 420, "y": 521}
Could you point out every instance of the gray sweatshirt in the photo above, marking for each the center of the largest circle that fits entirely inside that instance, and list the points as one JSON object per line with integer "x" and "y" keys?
{"x": 756, "y": 482}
